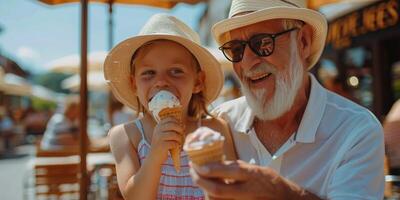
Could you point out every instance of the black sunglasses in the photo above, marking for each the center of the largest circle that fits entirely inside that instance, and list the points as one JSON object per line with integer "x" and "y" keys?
{"x": 262, "y": 45}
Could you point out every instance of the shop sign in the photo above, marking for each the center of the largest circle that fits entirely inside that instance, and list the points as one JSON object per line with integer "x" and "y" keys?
{"x": 379, "y": 16}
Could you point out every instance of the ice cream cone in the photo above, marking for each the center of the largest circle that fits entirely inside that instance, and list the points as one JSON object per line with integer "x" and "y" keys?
{"x": 207, "y": 154}
{"x": 163, "y": 105}
{"x": 205, "y": 146}
{"x": 175, "y": 112}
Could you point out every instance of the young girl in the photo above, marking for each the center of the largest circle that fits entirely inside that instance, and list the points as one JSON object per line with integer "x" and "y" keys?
{"x": 166, "y": 55}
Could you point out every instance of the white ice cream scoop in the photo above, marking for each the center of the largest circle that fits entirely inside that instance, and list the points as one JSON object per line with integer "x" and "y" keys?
{"x": 163, "y": 99}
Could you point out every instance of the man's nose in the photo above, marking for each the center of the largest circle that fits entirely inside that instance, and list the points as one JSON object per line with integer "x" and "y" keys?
{"x": 249, "y": 58}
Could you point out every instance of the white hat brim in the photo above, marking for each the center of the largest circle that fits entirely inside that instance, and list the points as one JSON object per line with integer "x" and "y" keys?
{"x": 117, "y": 67}
{"x": 311, "y": 17}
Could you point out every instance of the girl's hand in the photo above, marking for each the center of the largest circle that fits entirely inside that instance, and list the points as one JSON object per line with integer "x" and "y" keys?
{"x": 167, "y": 135}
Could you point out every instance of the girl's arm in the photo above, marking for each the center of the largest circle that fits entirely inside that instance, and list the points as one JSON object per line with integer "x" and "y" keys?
{"x": 132, "y": 179}
{"x": 135, "y": 181}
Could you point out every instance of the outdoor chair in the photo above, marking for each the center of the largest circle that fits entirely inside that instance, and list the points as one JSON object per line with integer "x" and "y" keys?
{"x": 53, "y": 174}
{"x": 58, "y": 180}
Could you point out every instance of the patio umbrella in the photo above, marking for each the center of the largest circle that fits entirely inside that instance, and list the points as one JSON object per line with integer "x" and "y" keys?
{"x": 96, "y": 82}
{"x": 316, "y": 4}
{"x": 44, "y": 93}
{"x": 337, "y": 8}
{"x": 12, "y": 84}
{"x": 71, "y": 64}
{"x": 153, "y": 3}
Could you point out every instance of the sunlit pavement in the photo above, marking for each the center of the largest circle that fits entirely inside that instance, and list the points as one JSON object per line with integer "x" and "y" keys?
{"x": 13, "y": 172}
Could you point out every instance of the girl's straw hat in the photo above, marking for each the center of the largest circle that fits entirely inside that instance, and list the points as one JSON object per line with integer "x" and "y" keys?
{"x": 262, "y": 10}
{"x": 117, "y": 66}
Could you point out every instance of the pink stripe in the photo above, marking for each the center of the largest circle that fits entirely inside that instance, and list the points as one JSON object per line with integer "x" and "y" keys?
{"x": 170, "y": 175}
{"x": 145, "y": 156}
{"x": 171, "y": 165}
{"x": 176, "y": 197}
{"x": 179, "y": 186}
{"x": 142, "y": 158}
{"x": 165, "y": 164}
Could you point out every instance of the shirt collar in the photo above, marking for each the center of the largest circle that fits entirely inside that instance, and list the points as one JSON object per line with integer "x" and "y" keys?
{"x": 313, "y": 114}
{"x": 311, "y": 117}
{"x": 246, "y": 119}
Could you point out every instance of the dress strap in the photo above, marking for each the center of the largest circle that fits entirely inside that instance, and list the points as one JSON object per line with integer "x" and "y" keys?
{"x": 139, "y": 125}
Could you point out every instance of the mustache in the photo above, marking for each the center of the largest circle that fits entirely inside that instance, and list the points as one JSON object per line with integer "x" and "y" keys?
{"x": 260, "y": 68}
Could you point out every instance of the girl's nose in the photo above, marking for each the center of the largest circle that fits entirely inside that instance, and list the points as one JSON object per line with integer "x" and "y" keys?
{"x": 161, "y": 82}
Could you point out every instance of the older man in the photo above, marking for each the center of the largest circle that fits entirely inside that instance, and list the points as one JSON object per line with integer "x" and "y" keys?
{"x": 296, "y": 140}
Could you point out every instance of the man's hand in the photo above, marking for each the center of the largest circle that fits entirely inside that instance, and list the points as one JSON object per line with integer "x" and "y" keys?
{"x": 240, "y": 180}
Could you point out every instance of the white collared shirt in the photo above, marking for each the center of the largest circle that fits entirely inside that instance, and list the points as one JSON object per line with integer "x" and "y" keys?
{"x": 336, "y": 153}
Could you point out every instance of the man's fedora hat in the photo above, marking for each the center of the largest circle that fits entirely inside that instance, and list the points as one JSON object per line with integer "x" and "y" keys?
{"x": 254, "y": 11}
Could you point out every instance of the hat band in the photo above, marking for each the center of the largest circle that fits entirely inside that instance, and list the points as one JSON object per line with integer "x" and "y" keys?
{"x": 291, "y": 3}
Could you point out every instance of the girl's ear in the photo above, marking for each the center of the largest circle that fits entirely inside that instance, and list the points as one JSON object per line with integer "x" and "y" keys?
{"x": 133, "y": 81}
{"x": 199, "y": 83}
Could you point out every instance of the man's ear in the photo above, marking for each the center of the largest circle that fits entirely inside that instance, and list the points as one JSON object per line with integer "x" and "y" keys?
{"x": 304, "y": 41}
{"x": 199, "y": 84}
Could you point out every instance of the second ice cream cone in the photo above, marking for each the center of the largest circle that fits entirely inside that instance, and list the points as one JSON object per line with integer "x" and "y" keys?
{"x": 205, "y": 146}
{"x": 207, "y": 154}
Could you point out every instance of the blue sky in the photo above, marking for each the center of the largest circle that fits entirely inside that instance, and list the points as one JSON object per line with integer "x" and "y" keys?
{"x": 35, "y": 33}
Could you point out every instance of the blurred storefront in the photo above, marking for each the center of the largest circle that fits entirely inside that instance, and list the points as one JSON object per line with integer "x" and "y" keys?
{"x": 364, "y": 47}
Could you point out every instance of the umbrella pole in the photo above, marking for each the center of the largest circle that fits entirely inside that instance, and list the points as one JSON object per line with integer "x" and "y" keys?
{"x": 110, "y": 24}
{"x": 84, "y": 180}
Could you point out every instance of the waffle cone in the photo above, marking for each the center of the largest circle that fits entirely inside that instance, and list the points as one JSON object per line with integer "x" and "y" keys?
{"x": 176, "y": 158}
{"x": 175, "y": 112}
{"x": 207, "y": 154}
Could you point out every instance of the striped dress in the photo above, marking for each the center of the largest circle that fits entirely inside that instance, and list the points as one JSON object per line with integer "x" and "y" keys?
{"x": 173, "y": 185}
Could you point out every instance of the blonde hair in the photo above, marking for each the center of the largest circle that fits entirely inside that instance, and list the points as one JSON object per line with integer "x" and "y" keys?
{"x": 197, "y": 104}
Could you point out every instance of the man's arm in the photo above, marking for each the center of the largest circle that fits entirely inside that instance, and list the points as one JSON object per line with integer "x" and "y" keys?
{"x": 250, "y": 182}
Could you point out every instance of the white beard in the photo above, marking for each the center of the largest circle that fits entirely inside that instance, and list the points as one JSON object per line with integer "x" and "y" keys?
{"x": 287, "y": 85}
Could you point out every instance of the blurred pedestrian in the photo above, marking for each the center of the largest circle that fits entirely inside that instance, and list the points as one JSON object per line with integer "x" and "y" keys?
{"x": 63, "y": 128}
{"x": 391, "y": 127}
{"x": 6, "y": 131}
{"x": 6, "y": 122}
